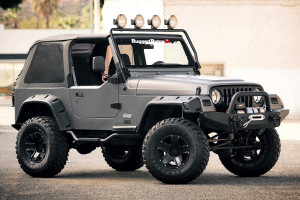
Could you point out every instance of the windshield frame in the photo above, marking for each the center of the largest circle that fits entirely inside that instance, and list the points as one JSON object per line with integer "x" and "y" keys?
{"x": 124, "y": 70}
{"x": 179, "y": 38}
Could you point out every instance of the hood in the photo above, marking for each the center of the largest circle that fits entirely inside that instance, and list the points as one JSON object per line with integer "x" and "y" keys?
{"x": 179, "y": 84}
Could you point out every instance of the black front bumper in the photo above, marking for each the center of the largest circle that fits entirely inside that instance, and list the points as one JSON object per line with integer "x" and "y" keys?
{"x": 230, "y": 120}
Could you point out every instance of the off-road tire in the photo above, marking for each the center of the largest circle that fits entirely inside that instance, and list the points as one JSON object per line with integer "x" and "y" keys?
{"x": 54, "y": 144}
{"x": 123, "y": 158}
{"x": 260, "y": 166}
{"x": 187, "y": 133}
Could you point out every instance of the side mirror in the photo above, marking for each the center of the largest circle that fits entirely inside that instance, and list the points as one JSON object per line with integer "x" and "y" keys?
{"x": 98, "y": 64}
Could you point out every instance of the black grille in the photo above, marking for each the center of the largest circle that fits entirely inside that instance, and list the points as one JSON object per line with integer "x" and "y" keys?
{"x": 229, "y": 91}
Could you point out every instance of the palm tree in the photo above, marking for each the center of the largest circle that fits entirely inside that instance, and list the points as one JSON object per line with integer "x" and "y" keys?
{"x": 11, "y": 17}
{"x": 69, "y": 22}
{"x": 45, "y": 8}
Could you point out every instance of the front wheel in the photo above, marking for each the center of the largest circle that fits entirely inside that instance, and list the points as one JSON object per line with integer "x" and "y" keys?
{"x": 254, "y": 161}
{"x": 175, "y": 151}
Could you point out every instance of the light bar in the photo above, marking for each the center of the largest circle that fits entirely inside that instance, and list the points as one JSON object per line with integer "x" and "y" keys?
{"x": 138, "y": 21}
{"x": 121, "y": 21}
{"x": 171, "y": 22}
{"x": 154, "y": 22}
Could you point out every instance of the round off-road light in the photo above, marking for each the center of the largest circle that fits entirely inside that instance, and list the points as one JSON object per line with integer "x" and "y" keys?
{"x": 121, "y": 21}
{"x": 155, "y": 21}
{"x": 216, "y": 96}
{"x": 257, "y": 99}
{"x": 171, "y": 22}
{"x": 138, "y": 21}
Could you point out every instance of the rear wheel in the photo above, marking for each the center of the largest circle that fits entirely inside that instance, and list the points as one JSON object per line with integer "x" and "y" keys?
{"x": 42, "y": 150}
{"x": 253, "y": 161}
{"x": 175, "y": 151}
{"x": 123, "y": 158}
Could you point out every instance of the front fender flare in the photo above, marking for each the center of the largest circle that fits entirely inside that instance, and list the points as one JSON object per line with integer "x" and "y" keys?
{"x": 188, "y": 104}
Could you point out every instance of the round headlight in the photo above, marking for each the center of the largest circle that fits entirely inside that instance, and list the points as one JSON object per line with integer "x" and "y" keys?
{"x": 257, "y": 99}
{"x": 139, "y": 21}
{"x": 155, "y": 21}
{"x": 216, "y": 96}
{"x": 121, "y": 21}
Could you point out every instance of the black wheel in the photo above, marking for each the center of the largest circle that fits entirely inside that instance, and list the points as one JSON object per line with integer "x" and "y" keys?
{"x": 123, "y": 158}
{"x": 175, "y": 151}
{"x": 253, "y": 161}
{"x": 42, "y": 150}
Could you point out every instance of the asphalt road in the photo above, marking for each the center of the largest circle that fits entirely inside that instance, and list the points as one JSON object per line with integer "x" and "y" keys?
{"x": 89, "y": 177}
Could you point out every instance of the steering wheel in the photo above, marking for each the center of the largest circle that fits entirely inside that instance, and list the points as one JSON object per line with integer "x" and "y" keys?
{"x": 158, "y": 63}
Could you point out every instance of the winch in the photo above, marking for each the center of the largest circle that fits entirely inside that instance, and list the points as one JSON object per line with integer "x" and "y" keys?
{"x": 242, "y": 109}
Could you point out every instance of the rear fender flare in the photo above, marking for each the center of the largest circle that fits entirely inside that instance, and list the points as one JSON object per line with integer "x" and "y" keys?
{"x": 54, "y": 104}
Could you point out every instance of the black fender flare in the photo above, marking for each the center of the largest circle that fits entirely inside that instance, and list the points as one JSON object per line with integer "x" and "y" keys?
{"x": 188, "y": 104}
{"x": 54, "y": 104}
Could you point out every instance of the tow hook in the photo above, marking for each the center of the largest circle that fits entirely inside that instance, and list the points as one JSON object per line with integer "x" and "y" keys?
{"x": 275, "y": 119}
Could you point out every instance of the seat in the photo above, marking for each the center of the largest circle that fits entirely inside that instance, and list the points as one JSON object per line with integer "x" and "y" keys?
{"x": 83, "y": 72}
{"x": 126, "y": 59}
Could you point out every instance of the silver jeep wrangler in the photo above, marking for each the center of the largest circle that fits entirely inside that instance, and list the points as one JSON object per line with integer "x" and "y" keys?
{"x": 155, "y": 109}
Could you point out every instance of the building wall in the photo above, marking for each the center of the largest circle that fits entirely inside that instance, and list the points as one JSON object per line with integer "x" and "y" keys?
{"x": 258, "y": 41}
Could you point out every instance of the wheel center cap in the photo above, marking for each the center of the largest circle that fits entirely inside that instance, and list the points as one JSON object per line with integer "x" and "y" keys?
{"x": 174, "y": 151}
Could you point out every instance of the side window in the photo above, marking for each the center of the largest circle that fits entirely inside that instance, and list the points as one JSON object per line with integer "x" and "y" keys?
{"x": 82, "y": 55}
{"x": 47, "y": 64}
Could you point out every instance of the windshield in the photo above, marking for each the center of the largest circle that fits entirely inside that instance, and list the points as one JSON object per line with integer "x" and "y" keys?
{"x": 154, "y": 51}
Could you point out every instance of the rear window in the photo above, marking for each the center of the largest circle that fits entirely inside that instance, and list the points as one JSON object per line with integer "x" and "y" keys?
{"x": 47, "y": 64}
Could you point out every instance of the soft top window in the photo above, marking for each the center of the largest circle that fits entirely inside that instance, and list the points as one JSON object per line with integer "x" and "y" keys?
{"x": 47, "y": 64}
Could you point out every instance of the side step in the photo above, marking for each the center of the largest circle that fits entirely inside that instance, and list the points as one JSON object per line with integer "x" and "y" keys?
{"x": 113, "y": 139}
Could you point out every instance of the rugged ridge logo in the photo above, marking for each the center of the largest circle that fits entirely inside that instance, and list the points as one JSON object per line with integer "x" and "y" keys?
{"x": 134, "y": 41}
